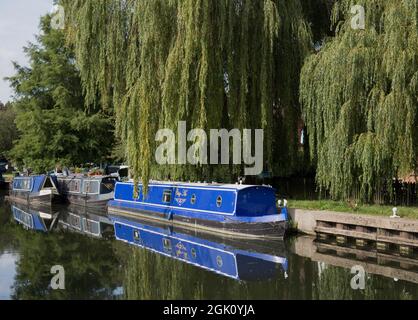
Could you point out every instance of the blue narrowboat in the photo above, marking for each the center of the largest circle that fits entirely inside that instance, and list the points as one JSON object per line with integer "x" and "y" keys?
{"x": 240, "y": 263}
{"x": 241, "y": 211}
{"x": 33, "y": 189}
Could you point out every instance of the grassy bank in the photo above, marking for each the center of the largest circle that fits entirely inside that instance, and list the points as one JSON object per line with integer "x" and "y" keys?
{"x": 404, "y": 212}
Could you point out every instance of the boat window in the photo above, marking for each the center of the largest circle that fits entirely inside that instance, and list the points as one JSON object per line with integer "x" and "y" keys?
{"x": 167, "y": 245}
{"x": 219, "y": 261}
{"x": 23, "y": 217}
{"x": 92, "y": 227}
{"x": 137, "y": 236}
{"x": 219, "y": 201}
{"x": 91, "y": 186}
{"x": 74, "y": 221}
{"x": 24, "y": 184}
{"x": 74, "y": 186}
{"x": 167, "y": 196}
{"x": 193, "y": 199}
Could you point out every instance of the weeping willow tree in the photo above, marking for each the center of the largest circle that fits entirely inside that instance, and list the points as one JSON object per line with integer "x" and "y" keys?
{"x": 359, "y": 96}
{"x": 214, "y": 64}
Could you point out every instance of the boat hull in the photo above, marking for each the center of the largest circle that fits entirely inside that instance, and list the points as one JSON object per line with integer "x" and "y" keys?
{"x": 230, "y": 228}
{"x": 29, "y": 197}
{"x": 88, "y": 201}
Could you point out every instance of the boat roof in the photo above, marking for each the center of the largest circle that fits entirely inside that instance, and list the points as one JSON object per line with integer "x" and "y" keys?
{"x": 81, "y": 176}
{"x": 237, "y": 186}
{"x": 28, "y": 177}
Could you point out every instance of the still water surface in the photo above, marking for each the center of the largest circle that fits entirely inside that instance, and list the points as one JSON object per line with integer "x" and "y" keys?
{"x": 180, "y": 265}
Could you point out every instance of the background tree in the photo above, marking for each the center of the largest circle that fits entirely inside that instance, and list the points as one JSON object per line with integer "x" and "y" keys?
{"x": 360, "y": 98}
{"x": 215, "y": 64}
{"x": 8, "y": 131}
{"x": 54, "y": 124}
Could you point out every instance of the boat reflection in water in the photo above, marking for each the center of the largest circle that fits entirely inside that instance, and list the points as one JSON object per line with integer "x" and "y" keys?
{"x": 37, "y": 218}
{"x": 87, "y": 221}
{"x": 76, "y": 219}
{"x": 251, "y": 260}
{"x": 241, "y": 260}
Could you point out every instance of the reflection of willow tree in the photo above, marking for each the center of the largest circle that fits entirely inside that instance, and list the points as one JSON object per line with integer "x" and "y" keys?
{"x": 335, "y": 283}
{"x": 90, "y": 266}
{"x": 153, "y": 276}
{"x": 214, "y": 64}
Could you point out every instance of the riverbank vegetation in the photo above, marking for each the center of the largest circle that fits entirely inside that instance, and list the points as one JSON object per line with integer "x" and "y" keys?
{"x": 359, "y": 97}
{"x": 350, "y": 207}
{"x": 55, "y": 125}
{"x": 8, "y": 130}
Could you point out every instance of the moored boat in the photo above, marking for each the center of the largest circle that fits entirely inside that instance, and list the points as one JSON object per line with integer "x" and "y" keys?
{"x": 240, "y": 262}
{"x": 33, "y": 189}
{"x": 94, "y": 191}
{"x": 240, "y": 211}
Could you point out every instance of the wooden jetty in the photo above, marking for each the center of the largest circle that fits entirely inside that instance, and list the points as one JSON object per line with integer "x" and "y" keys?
{"x": 384, "y": 233}
{"x": 393, "y": 266}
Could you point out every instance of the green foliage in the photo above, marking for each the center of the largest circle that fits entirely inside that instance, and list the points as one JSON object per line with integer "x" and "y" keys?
{"x": 350, "y": 207}
{"x": 89, "y": 273}
{"x": 215, "y": 64}
{"x": 54, "y": 125}
{"x": 318, "y": 13}
{"x": 8, "y": 130}
{"x": 360, "y": 96}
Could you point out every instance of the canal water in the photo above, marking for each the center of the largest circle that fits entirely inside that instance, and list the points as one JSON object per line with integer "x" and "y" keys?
{"x": 174, "y": 264}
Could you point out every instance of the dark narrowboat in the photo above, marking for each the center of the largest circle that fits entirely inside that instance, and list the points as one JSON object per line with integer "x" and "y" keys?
{"x": 33, "y": 189}
{"x": 93, "y": 191}
{"x": 241, "y": 211}
{"x": 215, "y": 255}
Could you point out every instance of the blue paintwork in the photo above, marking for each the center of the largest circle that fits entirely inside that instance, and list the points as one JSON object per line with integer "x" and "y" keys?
{"x": 206, "y": 254}
{"x": 35, "y": 184}
{"x": 30, "y": 219}
{"x": 248, "y": 204}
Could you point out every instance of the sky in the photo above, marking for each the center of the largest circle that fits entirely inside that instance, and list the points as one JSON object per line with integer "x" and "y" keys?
{"x": 7, "y": 272}
{"x": 19, "y": 21}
